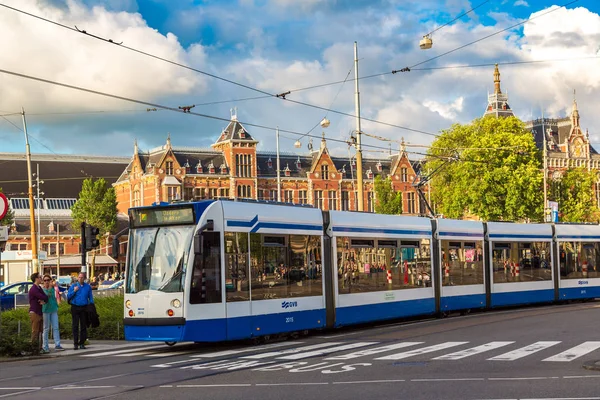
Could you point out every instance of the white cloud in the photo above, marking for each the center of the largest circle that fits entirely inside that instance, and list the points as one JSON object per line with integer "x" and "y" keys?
{"x": 522, "y": 3}
{"x": 315, "y": 51}
{"x": 446, "y": 110}
{"x": 44, "y": 50}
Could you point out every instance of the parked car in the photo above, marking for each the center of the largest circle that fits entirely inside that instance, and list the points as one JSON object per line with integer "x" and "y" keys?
{"x": 112, "y": 285}
{"x": 8, "y": 293}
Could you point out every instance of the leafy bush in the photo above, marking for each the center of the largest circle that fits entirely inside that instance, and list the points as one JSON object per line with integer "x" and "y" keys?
{"x": 15, "y": 328}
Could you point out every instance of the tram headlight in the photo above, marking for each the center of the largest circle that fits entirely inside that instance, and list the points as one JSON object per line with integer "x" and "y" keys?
{"x": 170, "y": 312}
{"x": 128, "y": 304}
{"x": 176, "y": 303}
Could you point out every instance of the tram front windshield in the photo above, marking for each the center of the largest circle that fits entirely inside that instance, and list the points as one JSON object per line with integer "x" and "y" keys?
{"x": 158, "y": 258}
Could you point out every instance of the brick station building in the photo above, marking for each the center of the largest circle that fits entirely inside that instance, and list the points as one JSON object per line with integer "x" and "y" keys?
{"x": 234, "y": 168}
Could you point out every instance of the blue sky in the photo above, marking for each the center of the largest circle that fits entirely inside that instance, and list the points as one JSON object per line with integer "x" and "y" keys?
{"x": 278, "y": 45}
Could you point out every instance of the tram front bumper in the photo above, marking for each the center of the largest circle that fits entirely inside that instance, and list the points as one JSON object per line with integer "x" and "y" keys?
{"x": 154, "y": 329}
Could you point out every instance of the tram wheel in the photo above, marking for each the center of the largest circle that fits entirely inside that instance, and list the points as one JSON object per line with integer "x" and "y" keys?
{"x": 170, "y": 343}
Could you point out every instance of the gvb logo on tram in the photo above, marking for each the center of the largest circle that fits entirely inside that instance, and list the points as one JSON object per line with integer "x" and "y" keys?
{"x": 289, "y": 304}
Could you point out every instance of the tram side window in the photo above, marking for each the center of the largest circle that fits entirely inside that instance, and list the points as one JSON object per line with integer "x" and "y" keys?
{"x": 363, "y": 264}
{"x": 579, "y": 260}
{"x": 237, "y": 284}
{"x": 462, "y": 263}
{"x": 521, "y": 262}
{"x": 206, "y": 278}
{"x": 284, "y": 266}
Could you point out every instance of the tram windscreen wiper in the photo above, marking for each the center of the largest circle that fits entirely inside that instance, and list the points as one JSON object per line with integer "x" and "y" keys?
{"x": 174, "y": 283}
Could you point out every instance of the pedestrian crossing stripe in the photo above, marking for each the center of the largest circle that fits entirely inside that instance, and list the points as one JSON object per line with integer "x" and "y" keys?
{"x": 340, "y": 351}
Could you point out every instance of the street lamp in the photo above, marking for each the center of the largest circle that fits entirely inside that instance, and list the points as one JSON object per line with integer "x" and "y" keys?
{"x": 324, "y": 124}
{"x": 426, "y": 42}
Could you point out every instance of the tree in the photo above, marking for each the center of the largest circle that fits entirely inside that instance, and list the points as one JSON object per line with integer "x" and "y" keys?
{"x": 387, "y": 201}
{"x": 8, "y": 218}
{"x": 97, "y": 206}
{"x": 492, "y": 170}
{"x": 576, "y": 199}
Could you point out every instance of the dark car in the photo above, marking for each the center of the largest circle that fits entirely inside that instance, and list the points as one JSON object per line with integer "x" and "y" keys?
{"x": 8, "y": 293}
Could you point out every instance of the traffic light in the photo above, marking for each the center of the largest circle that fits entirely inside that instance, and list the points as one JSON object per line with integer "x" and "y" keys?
{"x": 91, "y": 242}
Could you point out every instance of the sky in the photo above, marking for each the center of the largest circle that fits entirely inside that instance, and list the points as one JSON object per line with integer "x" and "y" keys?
{"x": 276, "y": 46}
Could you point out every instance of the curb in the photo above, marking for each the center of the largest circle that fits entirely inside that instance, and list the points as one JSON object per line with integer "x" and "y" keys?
{"x": 61, "y": 354}
{"x": 592, "y": 365}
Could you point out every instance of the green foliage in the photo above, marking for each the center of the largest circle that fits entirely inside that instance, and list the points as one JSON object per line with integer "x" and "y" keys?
{"x": 576, "y": 199}
{"x": 387, "y": 200}
{"x": 15, "y": 340}
{"x": 498, "y": 173}
{"x": 8, "y": 218}
{"x": 97, "y": 206}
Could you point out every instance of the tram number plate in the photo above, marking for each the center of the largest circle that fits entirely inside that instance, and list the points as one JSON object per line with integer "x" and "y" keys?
{"x": 289, "y": 320}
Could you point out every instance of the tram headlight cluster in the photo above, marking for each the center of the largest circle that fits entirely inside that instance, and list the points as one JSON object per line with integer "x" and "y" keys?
{"x": 128, "y": 304}
{"x": 176, "y": 303}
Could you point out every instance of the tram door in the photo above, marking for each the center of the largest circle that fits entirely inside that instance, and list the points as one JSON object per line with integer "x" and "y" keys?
{"x": 237, "y": 285}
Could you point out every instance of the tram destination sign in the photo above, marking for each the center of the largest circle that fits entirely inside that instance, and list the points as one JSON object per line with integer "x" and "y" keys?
{"x": 161, "y": 216}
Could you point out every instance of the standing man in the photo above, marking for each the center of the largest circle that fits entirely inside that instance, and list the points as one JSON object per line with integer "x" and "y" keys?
{"x": 37, "y": 298}
{"x": 79, "y": 296}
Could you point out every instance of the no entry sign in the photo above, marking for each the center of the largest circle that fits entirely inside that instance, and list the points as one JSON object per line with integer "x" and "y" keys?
{"x": 3, "y": 205}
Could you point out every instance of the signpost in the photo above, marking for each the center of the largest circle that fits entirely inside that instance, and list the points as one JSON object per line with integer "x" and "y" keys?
{"x": 3, "y": 205}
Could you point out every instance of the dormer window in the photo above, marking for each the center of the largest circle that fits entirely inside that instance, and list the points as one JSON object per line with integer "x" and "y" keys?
{"x": 287, "y": 171}
{"x": 169, "y": 167}
{"x": 211, "y": 168}
{"x": 223, "y": 168}
{"x": 324, "y": 171}
{"x": 51, "y": 227}
{"x": 187, "y": 167}
{"x": 199, "y": 167}
{"x": 369, "y": 174}
{"x": 379, "y": 166}
{"x": 343, "y": 170}
{"x": 242, "y": 134}
{"x": 298, "y": 164}
{"x": 270, "y": 163}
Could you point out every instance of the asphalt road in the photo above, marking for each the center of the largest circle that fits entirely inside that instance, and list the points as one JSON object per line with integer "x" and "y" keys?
{"x": 534, "y": 353}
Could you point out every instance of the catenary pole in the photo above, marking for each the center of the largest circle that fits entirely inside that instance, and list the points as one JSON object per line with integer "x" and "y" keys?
{"x": 33, "y": 232}
{"x": 359, "y": 169}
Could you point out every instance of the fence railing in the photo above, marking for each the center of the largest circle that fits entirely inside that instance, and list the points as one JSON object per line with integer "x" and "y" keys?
{"x": 22, "y": 299}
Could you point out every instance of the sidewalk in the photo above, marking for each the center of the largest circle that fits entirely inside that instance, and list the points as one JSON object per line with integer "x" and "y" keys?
{"x": 94, "y": 346}
{"x": 592, "y": 365}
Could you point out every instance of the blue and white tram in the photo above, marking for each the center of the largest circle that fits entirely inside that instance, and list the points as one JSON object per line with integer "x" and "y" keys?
{"x": 461, "y": 260}
{"x": 578, "y": 255}
{"x": 520, "y": 263}
{"x": 219, "y": 270}
{"x": 383, "y": 267}
{"x": 254, "y": 270}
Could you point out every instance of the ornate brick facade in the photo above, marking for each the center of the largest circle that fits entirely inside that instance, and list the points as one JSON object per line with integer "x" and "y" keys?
{"x": 233, "y": 168}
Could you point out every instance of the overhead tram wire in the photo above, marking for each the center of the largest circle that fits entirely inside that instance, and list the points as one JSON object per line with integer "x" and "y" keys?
{"x": 456, "y": 49}
{"x": 280, "y": 96}
{"x": 174, "y": 109}
{"x": 332, "y": 101}
{"x": 451, "y": 67}
{"x": 30, "y": 135}
{"x": 457, "y": 18}
{"x": 136, "y": 50}
{"x": 493, "y": 34}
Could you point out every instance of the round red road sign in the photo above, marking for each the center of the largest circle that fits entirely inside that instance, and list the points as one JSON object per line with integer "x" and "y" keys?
{"x": 3, "y": 205}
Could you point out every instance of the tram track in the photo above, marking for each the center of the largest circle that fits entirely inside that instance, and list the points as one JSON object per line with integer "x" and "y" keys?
{"x": 414, "y": 329}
